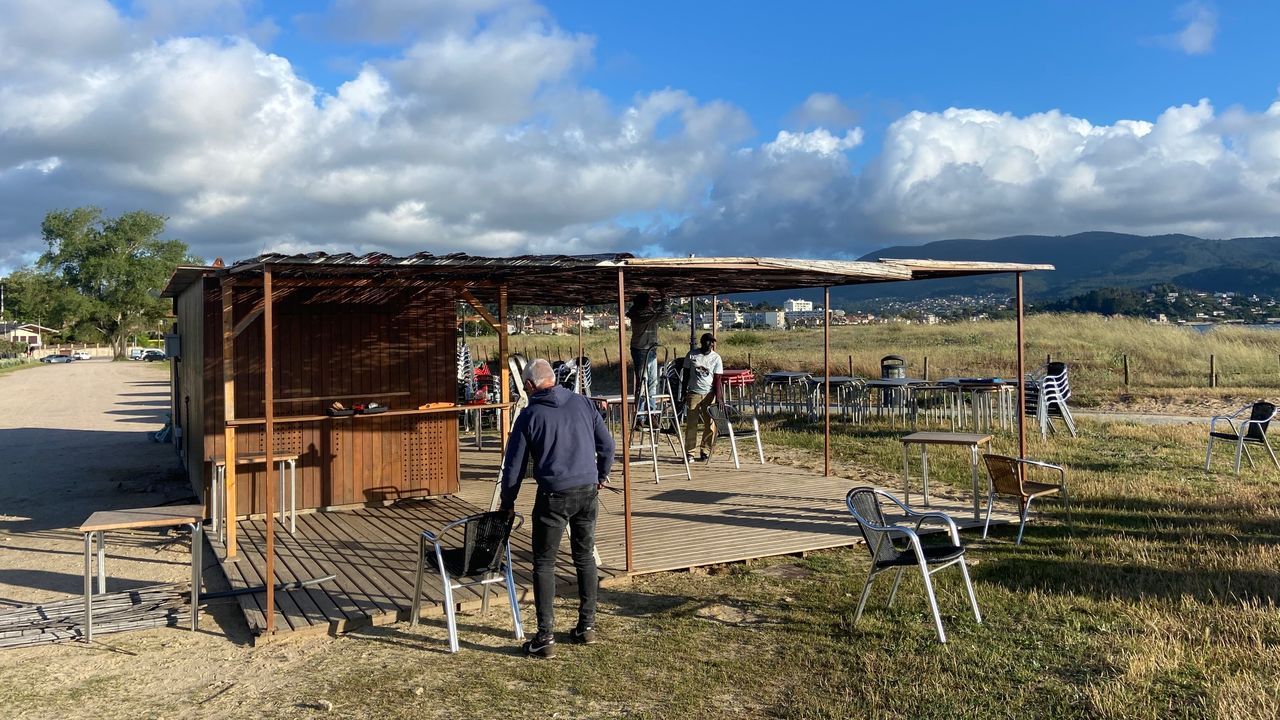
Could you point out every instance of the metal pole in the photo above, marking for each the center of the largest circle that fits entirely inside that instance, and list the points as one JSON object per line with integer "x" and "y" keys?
{"x": 826, "y": 383}
{"x": 504, "y": 373}
{"x": 578, "y": 363}
{"x": 625, "y": 419}
{"x": 1022, "y": 373}
{"x": 715, "y": 316}
{"x": 269, "y": 388}
{"x": 692, "y": 312}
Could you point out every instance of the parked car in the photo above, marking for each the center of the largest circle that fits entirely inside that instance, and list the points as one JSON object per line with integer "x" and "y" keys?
{"x": 81, "y": 355}
{"x": 135, "y": 353}
{"x": 56, "y": 358}
{"x": 152, "y": 355}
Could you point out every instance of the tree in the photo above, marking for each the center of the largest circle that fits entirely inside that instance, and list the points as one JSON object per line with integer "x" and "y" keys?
{"x": 33, "y": 297}
{"x": 111, "y": 270}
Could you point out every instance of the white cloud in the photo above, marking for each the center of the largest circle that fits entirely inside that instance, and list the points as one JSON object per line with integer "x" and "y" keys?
{"x": 1196, "y": 38}
{"x": 478, "y": 135}
{"x": 823, "y": 110}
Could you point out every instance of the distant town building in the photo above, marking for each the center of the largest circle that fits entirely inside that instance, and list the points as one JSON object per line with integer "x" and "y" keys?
{"x": 798, "y": 306}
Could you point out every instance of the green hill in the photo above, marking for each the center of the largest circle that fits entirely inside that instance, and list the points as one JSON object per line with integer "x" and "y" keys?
{"x": 1090, "y": 261}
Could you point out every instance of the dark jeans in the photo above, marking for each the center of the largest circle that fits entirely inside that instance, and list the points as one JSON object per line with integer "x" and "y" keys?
{"x": 575, "y": 509}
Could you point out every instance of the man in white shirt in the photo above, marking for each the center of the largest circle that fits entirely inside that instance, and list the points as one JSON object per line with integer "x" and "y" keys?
{"x": 704, "y": 365}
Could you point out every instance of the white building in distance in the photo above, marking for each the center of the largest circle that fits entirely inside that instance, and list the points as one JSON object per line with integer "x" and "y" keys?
{"x": 798, "y": 306}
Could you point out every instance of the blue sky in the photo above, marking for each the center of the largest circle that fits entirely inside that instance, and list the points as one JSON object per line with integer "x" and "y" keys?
{"x": 823, "y": 129}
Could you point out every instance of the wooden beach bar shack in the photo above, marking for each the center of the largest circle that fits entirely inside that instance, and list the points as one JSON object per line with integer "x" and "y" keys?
{"x": 378, "y": 328}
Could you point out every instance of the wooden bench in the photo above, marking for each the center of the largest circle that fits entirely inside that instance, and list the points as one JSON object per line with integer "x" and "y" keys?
{"x": 218, "y": 488}
{"x": 137, "y": 519}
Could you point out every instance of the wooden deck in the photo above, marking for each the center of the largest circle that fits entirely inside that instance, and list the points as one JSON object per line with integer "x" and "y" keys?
{"x": 722, "y": 516}
{"x": 372, "y": 552}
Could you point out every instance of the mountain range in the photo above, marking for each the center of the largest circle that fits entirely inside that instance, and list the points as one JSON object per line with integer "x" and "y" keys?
{"x": 1089, "y": 261}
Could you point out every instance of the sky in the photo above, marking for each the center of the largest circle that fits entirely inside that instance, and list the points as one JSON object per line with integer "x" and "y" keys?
{"x": 500, "y": 127}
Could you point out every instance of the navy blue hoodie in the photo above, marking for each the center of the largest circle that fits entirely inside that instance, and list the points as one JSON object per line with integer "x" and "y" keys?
{"x": 566, "y": 437}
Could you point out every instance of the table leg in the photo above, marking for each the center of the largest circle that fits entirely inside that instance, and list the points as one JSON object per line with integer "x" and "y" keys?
{"x": 196, "y": 557}
{"x": 973, "y": 453}
{"x": 924, "y": 471}
{"x": 293, "y": 496}
{"x": 906, "y": 474}
{"x": 88, "y": 587}
{"x": 102, "y": 562}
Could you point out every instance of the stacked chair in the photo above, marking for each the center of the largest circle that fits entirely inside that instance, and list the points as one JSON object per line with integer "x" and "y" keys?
{"x": 1047, "y": 393}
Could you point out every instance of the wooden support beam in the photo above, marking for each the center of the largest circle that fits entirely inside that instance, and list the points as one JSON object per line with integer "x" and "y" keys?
{"x": 483, "y": 311}
{"x": 625, "y": 420}
{"x": 229, "y": 410}
{"x": 246, "y": 321}
{"x": 269, "y": 441}
{"x": 504, "y": 371}
{"x": 826, "y": 383}
{"x": 1022, "y": 371}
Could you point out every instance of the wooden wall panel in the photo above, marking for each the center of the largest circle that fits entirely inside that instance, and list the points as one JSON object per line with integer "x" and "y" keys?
{"x": 326, "y": 350}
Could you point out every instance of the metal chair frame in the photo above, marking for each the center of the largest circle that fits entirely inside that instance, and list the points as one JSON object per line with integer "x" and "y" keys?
{"x": 887, "y": 532}
{"x": 1024, "y": 497}
{"x": 503, "y": 576}
{"x": 1243, "y": 434}
{"x": 724, "y": 428}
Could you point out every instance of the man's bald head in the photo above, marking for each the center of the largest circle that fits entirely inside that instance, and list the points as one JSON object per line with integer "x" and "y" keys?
{"x": 540, "y": 374}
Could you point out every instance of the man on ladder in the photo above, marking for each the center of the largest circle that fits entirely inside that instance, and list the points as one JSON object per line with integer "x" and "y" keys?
{"x": 645, "y": 314}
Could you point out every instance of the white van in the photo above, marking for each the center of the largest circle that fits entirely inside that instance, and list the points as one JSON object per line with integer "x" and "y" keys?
{"x": 135, "y": 353}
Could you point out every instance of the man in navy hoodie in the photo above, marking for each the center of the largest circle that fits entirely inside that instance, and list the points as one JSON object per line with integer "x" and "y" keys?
{"x": 572, "y": 453}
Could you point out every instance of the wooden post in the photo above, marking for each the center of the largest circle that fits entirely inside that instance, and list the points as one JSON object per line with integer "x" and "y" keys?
{"x": 1022, "y": 372}
{"x": 715, "y": 316}
{"x": 269, "y": 393}
{"x": 826, "y": 386}
{"x": 229, "y": 411}
{"x": 850, "y": 366}
{"x": 749, "y": 366}
{"x": 504, "y": 372}
{"x": 926, "y": 368}
{"x": 1126, "y": 369}
{"x": 624, "y": 425}
{"x": 1213, "y": 371}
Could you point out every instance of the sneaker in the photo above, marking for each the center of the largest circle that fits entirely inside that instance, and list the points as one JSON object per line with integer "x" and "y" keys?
{"x": 704, "y": 457}
{"x": 583, "y": 635}
{"x": 541, "y": 646}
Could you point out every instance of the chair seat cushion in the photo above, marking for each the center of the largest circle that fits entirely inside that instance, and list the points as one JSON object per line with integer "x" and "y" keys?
{"x": 933, "y": 554}
{"x": 1232, "y": 437}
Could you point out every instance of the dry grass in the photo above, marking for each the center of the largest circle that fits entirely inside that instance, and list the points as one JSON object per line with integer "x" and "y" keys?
{"x": 1164, "y": 361}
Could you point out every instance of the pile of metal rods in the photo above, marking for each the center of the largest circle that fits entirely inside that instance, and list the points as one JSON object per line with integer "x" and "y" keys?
{"x": 156, "y": 606}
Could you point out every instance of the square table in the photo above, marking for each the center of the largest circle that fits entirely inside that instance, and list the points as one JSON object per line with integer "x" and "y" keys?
{"x": 974, "y": 441}
{"x": 136, "y": 519}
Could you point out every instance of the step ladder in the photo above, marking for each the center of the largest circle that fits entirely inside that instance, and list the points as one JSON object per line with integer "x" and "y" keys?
{"x": 654, "y": 419}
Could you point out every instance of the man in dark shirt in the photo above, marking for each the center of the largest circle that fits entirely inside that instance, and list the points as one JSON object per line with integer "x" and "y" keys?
{"x": 572, "y": 453}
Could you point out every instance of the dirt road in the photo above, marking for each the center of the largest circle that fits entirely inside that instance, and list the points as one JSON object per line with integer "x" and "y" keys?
{"x": 74, "y": 440}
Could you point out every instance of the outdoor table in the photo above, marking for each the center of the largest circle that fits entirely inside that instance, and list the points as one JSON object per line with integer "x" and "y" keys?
{"x": 981, "y": 392}
{"x": 892, "y": 391}
{"x": 780, "y": 386}
{"x": 838, "y": 384}
{"x": 141, "y": 518}
{"x": 974, "y": 441}
{"x": 612, "y": 407}
{"x": 218, "y": 491}
{"x": 740, "y": 379}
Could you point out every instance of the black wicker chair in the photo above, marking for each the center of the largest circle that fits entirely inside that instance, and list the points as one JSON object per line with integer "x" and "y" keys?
{"x": 865, "y": 504}
{"x": 480, "y": 555}
{"x": 1249, "y": 432}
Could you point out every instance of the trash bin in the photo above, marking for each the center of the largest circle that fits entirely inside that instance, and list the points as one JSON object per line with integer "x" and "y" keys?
{"x": 893, "y": 366}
